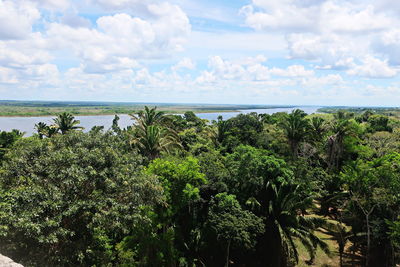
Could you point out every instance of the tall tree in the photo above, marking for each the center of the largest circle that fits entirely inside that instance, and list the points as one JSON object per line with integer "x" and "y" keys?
{"x": 41, "y": 128}
{"x": 151, "y": 135}
{"x": 296, "y": 127}
{"x": 341, "y": 127}
{"x": 149, "y": 117}
{"x": 317, "y": 128}
{"x": 284, "y": 222}
{"x": 66, "y": 122}
{"x": 233, "y": 225}
{"x": 154, "y": 139}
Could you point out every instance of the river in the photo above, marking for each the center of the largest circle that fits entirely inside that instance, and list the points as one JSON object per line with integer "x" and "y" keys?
{"x": 27, "y": 124}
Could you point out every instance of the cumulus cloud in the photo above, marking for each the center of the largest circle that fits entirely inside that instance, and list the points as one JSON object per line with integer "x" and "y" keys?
{"x": 334, "y": 34}
{"x": 8, "y": 76}
{"x": 250, "y": 69}
{"x": 330, "y": 79}
{"x": 53, "y": 4}
{"x": 292, "y": 71}
{"x": 16, "y": 19}
{"x": 104, "y": 48}
{"x": 74, "y": 20}
{"x": 315, "y": 16}
{"x": 120, "y": 40}
{"x": 389, "y": 44}
{"x": 185, "y": 63}
{"x": 114, "y": 44}
{"x": 373, "y": 68}
{"x": 279, "y": 15}
{"x": 15, "y": 57}
{"x": 122, "y": 4}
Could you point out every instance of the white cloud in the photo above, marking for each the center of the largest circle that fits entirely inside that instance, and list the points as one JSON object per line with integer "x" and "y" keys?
{"x": 14, "y": 57}
{"x": 315, "y": 16}
{"x": 121, "y": 4}
{"x": 292, "y": 71}
{"x": 185, "y": 63}
{"x": 75, "y": 21}
{"x": 389, "y": 44}
{"x": 278, "y": 15}
{"x": 330, "y": 79}
{"x": 250, "y": 69}
{"x": 101, "y": 49}
{"x": 333, "y": 33}
{"x": 206, "y": 77}
{"x": 373, "y": 68}
{"x": 120, "y": 40}
{"x": 16, "y": 19}
{"x": 53, "y": 4}
{"x": 8, "y": 76}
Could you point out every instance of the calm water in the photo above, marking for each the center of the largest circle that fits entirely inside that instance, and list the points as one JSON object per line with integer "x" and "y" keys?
{"x": 27, "y": 124}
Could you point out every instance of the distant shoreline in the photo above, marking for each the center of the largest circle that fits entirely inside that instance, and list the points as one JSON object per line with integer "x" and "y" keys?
{"x": 50, "y": 108}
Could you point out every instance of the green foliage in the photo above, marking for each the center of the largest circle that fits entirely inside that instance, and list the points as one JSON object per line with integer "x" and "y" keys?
{"x": 172, "y": 190}
{"x": 154, "y": 139}
{"x": 233, "y": 224}
{"x": 65, "y": 122}
{"x": 283, "y": 216}
{"x": 394, "y": 232}
{"x": 179, "y": 180}
{"x": 242, "y": 129}
{"x": 296, "y": 127}
{"x": 378, "y": 123}
{"x": 374, "y": 201}
{"x": 251, "y": 169}
{"x": 151, "y": 135}
{"x": 67, "y": 200}
{"x": 7, "y": 139}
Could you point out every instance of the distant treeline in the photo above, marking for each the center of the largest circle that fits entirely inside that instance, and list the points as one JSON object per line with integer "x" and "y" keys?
{"x": 52, "y": 108}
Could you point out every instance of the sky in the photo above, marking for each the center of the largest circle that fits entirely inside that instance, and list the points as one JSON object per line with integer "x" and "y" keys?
{"x": 273, "y": 52}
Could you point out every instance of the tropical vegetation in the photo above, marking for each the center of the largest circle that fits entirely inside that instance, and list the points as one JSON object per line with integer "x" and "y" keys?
{"x": 175, "y": 190}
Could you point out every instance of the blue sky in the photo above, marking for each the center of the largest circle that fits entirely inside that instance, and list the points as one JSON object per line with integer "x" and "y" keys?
{"x": 314, "y": 52}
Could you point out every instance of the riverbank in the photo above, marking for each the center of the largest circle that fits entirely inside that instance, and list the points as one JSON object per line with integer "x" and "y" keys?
{"x": 48, "y": 109}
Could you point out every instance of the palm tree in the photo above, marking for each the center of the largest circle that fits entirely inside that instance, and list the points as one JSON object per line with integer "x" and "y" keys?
{"x": 154, "y": 139}
{"x": 341, "y": 128}
{"x": 296, "y": 127}
{"x": 149, "y": 116}
{"x": 284, "y": 223}
{"x": 317, "y": 128}
{"x": 41, "y": 129}
{"x": 151, "y": 134}
{"x": 65, "y": 122}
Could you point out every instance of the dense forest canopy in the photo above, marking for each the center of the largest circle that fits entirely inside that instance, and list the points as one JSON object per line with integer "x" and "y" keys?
{"x": 169, "y": 190}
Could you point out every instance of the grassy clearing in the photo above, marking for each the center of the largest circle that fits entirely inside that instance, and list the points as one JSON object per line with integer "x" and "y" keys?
{"x": 321, "y": 258}
{"x": 324, "y": 260}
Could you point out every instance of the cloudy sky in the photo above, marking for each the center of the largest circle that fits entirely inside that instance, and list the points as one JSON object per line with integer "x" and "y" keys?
{"x": 320, "y": 52}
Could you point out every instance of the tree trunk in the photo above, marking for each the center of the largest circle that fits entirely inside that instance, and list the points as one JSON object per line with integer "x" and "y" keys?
{"x": 227, "y": 253}
{"x": 294, "y": 147}
{"x": 275, "y": 252}
{"x": 341, "y": 259}
{"x": 368, "y": 240}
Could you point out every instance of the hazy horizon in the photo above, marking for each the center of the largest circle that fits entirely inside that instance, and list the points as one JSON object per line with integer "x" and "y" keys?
{"x": 194, "y": 103}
